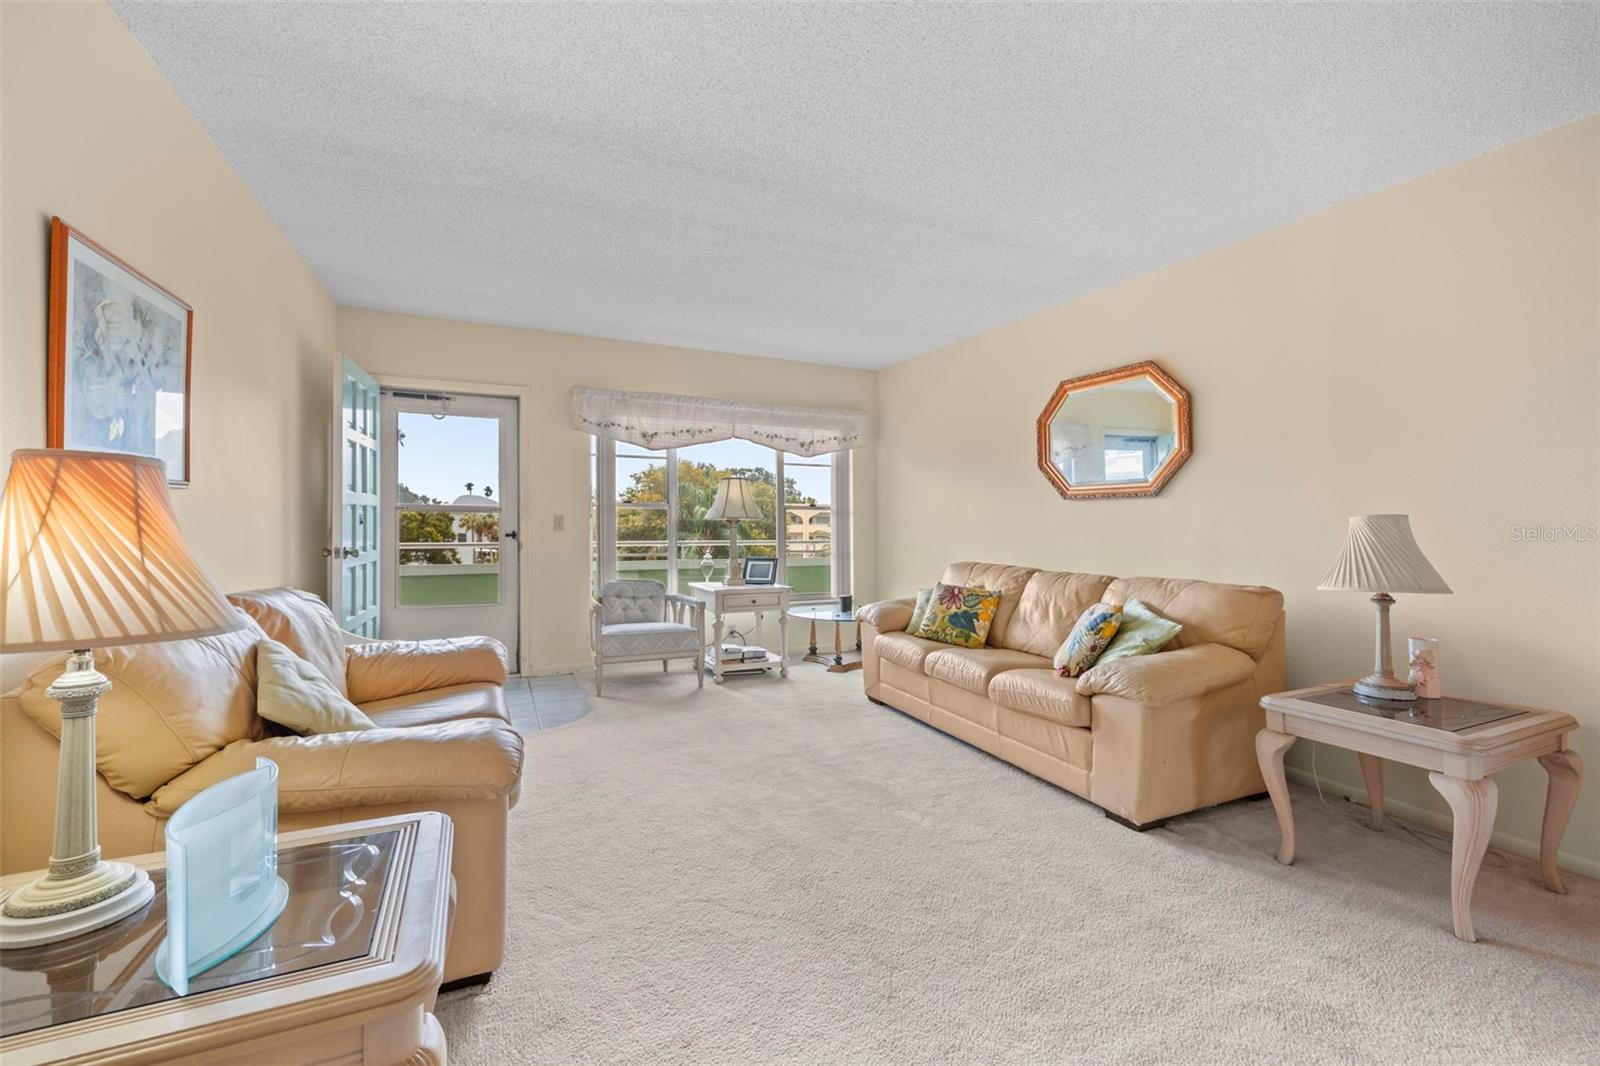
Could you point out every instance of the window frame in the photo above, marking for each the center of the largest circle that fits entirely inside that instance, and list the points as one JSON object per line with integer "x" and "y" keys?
{"x": 604, "y": 535}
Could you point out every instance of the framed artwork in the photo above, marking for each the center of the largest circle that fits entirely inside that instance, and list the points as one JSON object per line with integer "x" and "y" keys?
{"x": 119, "y": 348}
{"x": 760, "y": 571}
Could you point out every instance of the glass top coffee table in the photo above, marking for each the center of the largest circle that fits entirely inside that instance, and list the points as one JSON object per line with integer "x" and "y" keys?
{"x": 829, "y": 612}
{"x": 364, "y": 926}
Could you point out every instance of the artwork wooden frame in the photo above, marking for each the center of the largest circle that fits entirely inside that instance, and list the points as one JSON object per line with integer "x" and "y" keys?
{"x": 98, "y": 400}
{"x": 1184, "y": 432}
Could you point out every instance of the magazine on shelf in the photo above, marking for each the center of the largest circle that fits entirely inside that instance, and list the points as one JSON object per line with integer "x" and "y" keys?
{"x": 744, "y": 653}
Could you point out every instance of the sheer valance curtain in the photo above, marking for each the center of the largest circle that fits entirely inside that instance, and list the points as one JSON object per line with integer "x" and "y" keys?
{"x": 657, "y": 420}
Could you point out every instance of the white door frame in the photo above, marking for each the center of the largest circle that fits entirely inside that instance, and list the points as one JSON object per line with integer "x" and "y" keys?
{"x": 523, "y": 394}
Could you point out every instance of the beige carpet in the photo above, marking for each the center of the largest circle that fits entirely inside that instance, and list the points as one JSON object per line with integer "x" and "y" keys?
{"x": 782, "y": 872}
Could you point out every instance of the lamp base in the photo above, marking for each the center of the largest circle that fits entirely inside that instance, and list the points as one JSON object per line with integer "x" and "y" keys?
{"x": 1381, "y": 687}
{"x": 52, "y": 909}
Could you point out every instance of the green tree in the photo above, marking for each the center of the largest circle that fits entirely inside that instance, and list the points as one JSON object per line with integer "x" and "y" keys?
{"x": 425, "y": 527}
{"x": 697, "y": 488}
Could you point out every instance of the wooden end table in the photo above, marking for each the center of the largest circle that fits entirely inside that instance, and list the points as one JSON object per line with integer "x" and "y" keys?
{"x": 1459, "y": 742}
{"x": 348, "y": 974}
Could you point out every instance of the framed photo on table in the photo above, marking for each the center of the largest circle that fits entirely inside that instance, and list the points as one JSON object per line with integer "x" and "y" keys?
{"x": 760, "y": 570}
{"x": 119, "y": 351}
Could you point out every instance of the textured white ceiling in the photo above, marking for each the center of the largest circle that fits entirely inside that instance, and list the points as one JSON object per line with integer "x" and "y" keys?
{"x": 841, "y": 183}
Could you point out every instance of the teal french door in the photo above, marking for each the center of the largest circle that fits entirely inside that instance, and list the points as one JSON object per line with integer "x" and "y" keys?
{"x": 354, "y": 556}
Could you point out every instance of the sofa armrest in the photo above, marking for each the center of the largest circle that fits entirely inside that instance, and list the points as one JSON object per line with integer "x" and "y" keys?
{"x": 466, "y": 760}
{"x": 887, "y": 616}
{"x": 1168, "y": 676}
{"x": 380, "y": 669}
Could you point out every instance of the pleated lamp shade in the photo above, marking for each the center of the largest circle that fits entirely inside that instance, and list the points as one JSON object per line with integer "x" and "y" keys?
{"x": 735, "y": 502}
{"x": 1381, "y": 555}
{"x": 90, "y": 556}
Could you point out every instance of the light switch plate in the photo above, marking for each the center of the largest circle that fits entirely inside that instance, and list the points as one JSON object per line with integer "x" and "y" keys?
{"x": 560, "y": 523}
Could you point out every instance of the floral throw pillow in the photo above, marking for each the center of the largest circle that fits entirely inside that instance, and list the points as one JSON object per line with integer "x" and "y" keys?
{"x": 1091, "y": 636}
{"x": 959, "y": 616}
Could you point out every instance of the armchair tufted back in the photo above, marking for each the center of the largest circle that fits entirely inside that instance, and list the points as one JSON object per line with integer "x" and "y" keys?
{"x": 633, "y": 601}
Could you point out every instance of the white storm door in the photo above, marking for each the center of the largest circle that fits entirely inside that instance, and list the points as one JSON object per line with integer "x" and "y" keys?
{"x": 449, "y": 484}
{"x": 353, "y": 563}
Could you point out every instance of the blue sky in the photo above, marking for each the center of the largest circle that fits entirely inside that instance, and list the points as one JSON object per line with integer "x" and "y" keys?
{"x": 439, "y": 456}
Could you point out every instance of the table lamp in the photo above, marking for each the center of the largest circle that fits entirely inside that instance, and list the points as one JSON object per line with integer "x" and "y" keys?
{"x": 90, "y": 557}
{"x": 735, "y": 503}
{"x": 1381, "y": 556}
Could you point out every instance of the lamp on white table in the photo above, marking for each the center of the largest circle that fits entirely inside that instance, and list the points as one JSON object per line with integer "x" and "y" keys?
{"x": 90, "y": 557}
{"x": 1381, "y": 556}
{"x": 735, "y": 503}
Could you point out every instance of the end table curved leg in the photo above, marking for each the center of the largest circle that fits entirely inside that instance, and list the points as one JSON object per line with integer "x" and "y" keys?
{"x": 1565, "y": 770}
{"x": 1473, "y": 804}
{"x": 1270, "y": 747}
{"x": 1372, "y": 776}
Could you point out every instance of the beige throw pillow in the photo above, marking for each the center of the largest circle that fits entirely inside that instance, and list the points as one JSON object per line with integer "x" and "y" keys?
{"x": 294, "y": 694}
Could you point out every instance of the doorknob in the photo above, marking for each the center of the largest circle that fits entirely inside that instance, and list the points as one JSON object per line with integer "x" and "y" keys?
{"x": 349, "y": 553}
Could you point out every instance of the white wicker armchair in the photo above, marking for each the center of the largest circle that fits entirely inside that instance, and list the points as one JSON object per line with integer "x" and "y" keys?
{"x": 636, "y": 621}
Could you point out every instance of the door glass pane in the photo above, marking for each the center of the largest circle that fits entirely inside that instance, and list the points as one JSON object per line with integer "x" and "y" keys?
{"x": 700, "y": 469}
{"x": 808, "y": 523}
{"x": 441, "y": 459}
{"x": 447, "y": 462}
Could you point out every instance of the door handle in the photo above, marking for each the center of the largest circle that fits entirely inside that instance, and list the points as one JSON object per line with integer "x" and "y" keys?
{"x": 349, "y": 553}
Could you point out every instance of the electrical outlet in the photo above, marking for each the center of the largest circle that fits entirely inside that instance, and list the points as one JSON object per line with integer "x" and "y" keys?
{"x": 560, "y": 523}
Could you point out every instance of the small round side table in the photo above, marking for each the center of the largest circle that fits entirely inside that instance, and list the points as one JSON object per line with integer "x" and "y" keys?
{"x": 828, "y": 612}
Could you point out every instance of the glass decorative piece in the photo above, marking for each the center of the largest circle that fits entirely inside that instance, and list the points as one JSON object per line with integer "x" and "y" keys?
{"x": 223, "y": 888}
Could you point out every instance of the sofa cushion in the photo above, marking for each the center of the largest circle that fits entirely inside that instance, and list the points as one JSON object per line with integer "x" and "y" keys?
{"x": 478, "y": 700}
{"x": 1043, "y": 694}
{"x": 904, "y": 650}
{"x": 171, "y": 705}
{"x": 1008, "y": 581}
{"x": 1240, "y": 616}
{"x": 973, "y": 668}
{"x": 303, "y": 623}
{"x": 1048, "y": 606}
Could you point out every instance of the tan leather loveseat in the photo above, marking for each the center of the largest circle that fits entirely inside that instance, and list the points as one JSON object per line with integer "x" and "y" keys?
{"x": 181, "y": 716}
{"x": 1145, "y": 737}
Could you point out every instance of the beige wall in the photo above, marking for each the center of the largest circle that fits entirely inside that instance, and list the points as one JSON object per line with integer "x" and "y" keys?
{"x": 556, "y": 565}
{"x": 1430, "y": 349}
{"x": 93, "y": 133}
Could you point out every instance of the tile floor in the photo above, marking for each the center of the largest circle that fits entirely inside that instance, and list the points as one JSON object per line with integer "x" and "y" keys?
{"x": 546, "y": 702}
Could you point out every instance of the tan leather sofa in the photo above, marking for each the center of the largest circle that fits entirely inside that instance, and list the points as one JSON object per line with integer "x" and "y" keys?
{"x": 181, "y": 716}
{"x": 1146, "y": 737}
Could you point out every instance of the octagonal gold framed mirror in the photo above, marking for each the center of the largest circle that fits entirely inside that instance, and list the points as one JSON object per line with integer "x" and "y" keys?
{"x": 1121, "y": 432}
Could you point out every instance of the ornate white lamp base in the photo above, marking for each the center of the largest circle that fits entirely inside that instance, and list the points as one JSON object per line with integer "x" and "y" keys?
{"x": 1377, "y": 687}
{"x": 1381, "y": 684}
{"x": 735, "y": 571}
{"x": 49, "y": 910}
{"x": 81, "y": 892}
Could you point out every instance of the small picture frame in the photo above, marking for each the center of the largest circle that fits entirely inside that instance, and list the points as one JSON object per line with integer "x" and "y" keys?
{"x": 760, "y": 571}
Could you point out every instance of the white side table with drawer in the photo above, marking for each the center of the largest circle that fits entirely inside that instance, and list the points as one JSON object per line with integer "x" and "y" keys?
{"x": 723, "y": 599}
